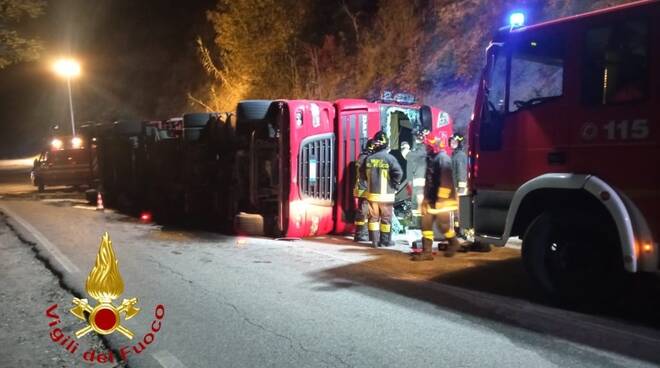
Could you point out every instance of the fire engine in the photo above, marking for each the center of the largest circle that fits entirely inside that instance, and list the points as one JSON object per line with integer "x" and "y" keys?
{"x": 294, "y": 164}
{"x": 564, "y": 148}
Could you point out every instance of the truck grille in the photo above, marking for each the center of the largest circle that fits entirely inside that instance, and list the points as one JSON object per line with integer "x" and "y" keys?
{"x": 316, "y": 173}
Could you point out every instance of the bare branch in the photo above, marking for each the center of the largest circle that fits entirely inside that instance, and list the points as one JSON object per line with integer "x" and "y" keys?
{"x": 207, "y": 62}
{"x": 199, "y": 102}
{"x": 354, "y": 20}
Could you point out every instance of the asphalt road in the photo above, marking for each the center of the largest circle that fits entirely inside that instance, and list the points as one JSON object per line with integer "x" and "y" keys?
{"x": 248, "y": 302}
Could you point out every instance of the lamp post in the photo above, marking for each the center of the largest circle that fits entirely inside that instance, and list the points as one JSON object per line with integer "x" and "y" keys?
{"x": 68, "y": 69}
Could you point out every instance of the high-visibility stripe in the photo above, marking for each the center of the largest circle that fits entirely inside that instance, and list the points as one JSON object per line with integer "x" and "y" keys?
{"x": 444, "y": 192}
{"x": 443, "y": 209}
{"x": 450, "y": 234}
{"x": 385, "y": 228}
{"x": 419, "y": 182}
{"x": 360, "y": 223}
{"x": 374, "y": 226}
{"x": 376, "y": 197}
{"x": 383, "y": 181}
{"x": 462, "y": 184}
{"x": 427, "y": 234}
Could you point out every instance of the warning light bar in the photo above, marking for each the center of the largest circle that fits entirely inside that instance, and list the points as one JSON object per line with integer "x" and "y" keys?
{"x": 517, "y": 19}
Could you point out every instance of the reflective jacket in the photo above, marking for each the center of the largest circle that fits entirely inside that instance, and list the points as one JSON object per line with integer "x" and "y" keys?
{"x": 439, "y": 192}
{"x": 459, "y": 163}
{"x": 416, "y": 173}
{"x": 383, "y": 174}
{"x": 360, "y": 188}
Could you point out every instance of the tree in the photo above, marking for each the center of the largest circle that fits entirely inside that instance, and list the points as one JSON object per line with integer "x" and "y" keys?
{"x": 14, "y": 46}
{"x": 258, "y": 51}
{"x": 291, "y": 49}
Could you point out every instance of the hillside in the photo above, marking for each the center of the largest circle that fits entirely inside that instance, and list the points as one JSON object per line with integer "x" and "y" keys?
{"x": 327, "y": 50}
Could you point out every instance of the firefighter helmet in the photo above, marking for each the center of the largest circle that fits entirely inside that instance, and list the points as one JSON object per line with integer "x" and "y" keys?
{"x": 369, "y": 146}
{"x": 380, "y": 141}
{"x": 434, "y": 143}
{"x": 458, "y": 139}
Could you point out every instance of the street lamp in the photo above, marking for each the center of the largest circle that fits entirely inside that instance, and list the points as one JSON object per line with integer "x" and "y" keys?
{"x": 68, "y": 68}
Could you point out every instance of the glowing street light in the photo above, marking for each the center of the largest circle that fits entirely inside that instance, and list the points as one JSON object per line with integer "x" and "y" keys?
{"x": 68, "y": 68}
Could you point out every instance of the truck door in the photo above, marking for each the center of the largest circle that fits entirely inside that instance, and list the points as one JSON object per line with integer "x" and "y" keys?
{"x": 519, "y": 129}
{"x": 614, "y": 131}
{"x": 352, "y": 134}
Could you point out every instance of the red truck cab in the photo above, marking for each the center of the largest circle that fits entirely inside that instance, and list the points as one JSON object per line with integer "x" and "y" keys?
{"x": 564, "y": 147}
{"x": 293, "y": 166}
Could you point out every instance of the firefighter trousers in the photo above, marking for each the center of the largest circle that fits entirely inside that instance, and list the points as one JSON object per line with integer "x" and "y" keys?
{"x": 444, "y": 222}
{"x": 361, "y": 217}
{"x": 380, "y": 223}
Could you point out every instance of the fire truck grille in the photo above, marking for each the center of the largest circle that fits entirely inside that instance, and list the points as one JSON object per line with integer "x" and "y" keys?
{"x": 316, "y": 173}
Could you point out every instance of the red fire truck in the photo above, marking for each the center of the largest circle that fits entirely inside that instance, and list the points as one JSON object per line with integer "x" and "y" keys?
{"x": 564, "y": 147}
{"x": 294, "y": 174}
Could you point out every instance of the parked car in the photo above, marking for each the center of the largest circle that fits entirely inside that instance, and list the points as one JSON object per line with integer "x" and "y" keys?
{"x": 66, "y": 161}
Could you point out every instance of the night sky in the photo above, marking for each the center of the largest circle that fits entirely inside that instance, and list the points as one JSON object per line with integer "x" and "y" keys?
{"x": 138, "y": 60}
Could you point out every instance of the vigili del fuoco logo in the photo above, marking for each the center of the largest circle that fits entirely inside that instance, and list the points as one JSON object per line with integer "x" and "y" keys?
{"x": 104, "y": 284}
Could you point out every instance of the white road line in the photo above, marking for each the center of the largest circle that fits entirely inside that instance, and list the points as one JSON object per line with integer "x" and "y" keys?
{"x": 57, "y": 255}
{"x": 167, "y": 360}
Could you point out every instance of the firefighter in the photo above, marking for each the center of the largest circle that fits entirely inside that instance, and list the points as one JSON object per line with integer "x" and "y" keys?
{"x": 459, "y": 163}
{"x": 415, "y": 172}
{"x": 439, "y": 198}
{"x": 383, "y": 175}
{"x": 359, "y": 192}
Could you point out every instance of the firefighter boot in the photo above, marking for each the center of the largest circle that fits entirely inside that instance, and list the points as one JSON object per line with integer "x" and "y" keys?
{"x": 374, "y": 236}
{"x": 361, "y": 233}
{"x": 427, "y": 251}
{"x": 385, "y": 239}
{"x": 452, "y": 247}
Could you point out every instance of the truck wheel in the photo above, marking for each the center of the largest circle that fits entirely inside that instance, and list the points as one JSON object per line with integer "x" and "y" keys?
{"x": 249, "y": 224}
{"x": 573, "y": 258}
{"x": 252, "y": 109}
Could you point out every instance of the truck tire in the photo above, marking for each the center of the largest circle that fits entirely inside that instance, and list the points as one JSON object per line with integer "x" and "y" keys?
{"x": 251, "y": 110}
{"x": 426, "y": 117}
{"x": 196, "y": 119}
{"x": 128, "y": 127}
{"x": 249, "y": 224}
{"x": 573, "y": 258}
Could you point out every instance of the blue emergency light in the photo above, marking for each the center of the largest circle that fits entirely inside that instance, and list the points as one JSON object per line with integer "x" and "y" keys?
{"x": 517, "y": 19}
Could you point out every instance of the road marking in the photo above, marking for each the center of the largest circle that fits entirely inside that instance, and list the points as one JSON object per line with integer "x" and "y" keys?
{"x": 167, "y": 360}
{"x": 85, "y": 207}
{"x": 55, "y": 252}
{"x": 63, "y": 200}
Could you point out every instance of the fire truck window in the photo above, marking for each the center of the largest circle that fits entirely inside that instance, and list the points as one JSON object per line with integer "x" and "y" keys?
{"x": 497, "y": 85}
{"x": 615, "y": 64}
{"x": 537, "y": 71}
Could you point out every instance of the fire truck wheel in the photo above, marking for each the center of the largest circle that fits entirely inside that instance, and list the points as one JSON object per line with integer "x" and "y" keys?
{"x": 573, "y": 258}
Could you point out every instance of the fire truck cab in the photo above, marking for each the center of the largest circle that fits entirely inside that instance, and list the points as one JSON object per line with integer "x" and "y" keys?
{"x": 564, "y": 148}
{"x": 294, "y": 166}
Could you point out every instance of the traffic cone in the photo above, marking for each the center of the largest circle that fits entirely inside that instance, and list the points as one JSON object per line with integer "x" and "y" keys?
{"x": 99, "y": 202}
